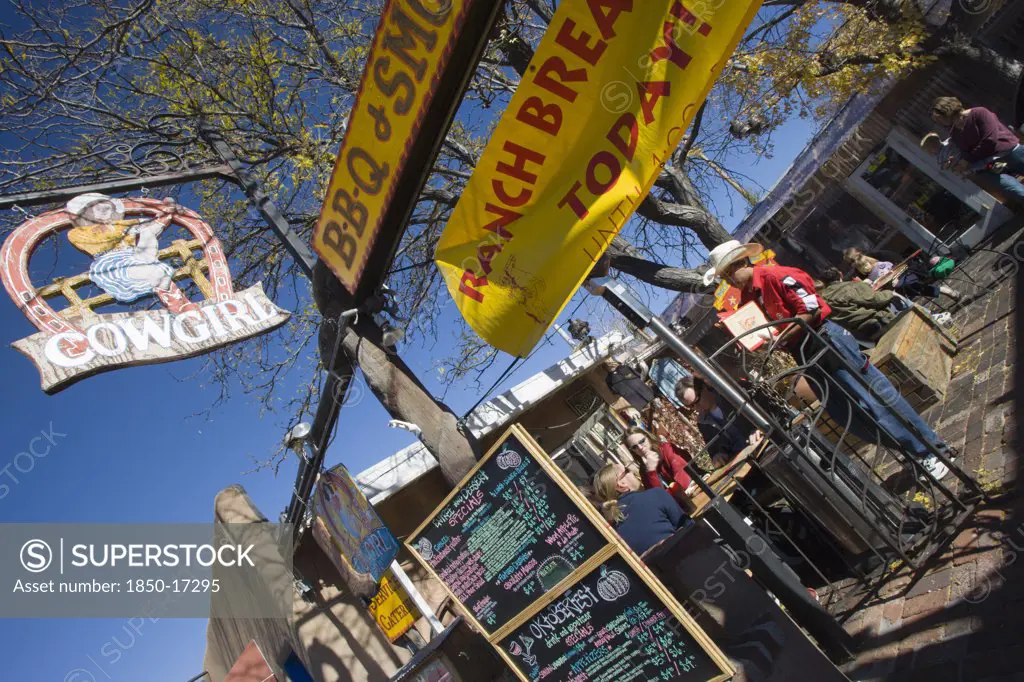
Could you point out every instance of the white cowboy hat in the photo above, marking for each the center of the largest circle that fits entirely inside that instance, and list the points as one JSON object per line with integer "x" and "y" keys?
{"x": 725, "y": 254}
{"x": 84, "y": 201}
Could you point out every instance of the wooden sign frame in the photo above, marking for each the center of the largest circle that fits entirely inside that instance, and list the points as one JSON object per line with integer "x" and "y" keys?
{"x": 615, "y": 546}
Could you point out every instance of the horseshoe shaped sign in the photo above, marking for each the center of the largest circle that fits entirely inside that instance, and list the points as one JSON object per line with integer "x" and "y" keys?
{"x": 128, "y": 265}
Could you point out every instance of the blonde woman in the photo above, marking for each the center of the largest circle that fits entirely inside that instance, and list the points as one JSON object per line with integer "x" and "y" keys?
{"x": 908, "y": 284}
{"x": 643, "y": 518}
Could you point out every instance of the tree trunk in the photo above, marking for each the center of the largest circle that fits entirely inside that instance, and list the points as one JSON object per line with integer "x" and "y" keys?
{"x": 624, "y": 258}
{"x": 390, "y": 379}
{"x": 687, "y": 204}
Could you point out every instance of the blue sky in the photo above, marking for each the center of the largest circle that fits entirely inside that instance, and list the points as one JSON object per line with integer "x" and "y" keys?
{"x": 129, "y": 450}
{"x": 132, "y": 452}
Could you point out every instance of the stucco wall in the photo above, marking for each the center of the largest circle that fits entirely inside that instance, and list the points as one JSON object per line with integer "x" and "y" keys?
{"x": 336, "y": 639}
{"x": 552, "y": 422}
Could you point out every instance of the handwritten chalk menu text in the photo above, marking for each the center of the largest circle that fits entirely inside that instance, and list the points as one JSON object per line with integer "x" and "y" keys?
{"x": 608, "y": 627}
{"x": 509, "y": 535}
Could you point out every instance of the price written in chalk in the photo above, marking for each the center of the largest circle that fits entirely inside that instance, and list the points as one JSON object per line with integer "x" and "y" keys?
{"x": 508, "y": 536}
{"x": 608, "y": 627}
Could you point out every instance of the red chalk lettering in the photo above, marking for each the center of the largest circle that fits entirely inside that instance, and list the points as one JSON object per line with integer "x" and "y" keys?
{"x": 546, "y": 118}
{"x": 606, "y": 13}
{"x": 609, "y": 161}
{"x": 626, "y": 123}
{"x": 650, "y": 93}
{"x": 573, "y": 201}
{"x": 522, "y": 156}
{"x": 556, "y": 66}
{"x": 580, "y": 45}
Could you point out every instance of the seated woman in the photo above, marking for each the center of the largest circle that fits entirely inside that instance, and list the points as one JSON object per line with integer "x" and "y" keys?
{"x": 643, "y": 518}
{"x": 662, "y": 418}
{"x": 908, "y": 284}
{"x": 667, "y": 461}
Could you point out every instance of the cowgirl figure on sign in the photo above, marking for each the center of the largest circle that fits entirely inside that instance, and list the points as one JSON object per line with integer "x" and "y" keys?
{"x": 125, "y": 263}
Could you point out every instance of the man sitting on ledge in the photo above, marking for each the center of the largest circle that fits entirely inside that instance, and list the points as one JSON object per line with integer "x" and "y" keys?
{"x": 857, "y": 307}
{"x": 843, "y": 374}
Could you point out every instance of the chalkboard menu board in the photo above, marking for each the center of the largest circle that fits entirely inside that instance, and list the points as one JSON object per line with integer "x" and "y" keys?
{"x": 506, "y": 536}
{"x": 516, "y": 528}
{"x": 608, "y": 627}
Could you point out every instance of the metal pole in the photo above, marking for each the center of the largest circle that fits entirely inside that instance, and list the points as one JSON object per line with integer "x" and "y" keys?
{"x": 295, "y": 244}
{"x": 622, "y": 299}
{"x": 721, "y": 383}
{"x": 323, "y": 423}
{"x": 64, "y": 193}
{"x": 417, "y": 598}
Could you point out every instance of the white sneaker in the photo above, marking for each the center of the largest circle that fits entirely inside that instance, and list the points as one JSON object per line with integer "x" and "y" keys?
{"x": 943, "y": 319}
{"x": 933, "y": 466}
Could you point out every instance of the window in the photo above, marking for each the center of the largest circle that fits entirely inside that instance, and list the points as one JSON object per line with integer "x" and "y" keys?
{"x": 918, "y": 195}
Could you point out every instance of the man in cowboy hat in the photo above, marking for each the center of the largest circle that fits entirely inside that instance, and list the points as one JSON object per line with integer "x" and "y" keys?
{"x": 786, "y": 293}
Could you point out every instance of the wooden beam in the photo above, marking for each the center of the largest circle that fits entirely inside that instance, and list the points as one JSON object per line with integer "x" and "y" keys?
{"x": 51, "y": 196}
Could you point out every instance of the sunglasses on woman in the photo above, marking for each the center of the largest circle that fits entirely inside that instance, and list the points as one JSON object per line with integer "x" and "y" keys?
{"x": 640, "y": 445}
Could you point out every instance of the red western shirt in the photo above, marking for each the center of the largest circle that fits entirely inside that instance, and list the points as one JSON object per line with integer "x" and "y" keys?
{"x": 784, "y": 292}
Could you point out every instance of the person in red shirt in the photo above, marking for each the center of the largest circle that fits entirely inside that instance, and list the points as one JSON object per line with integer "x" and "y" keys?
{"x": 841, "y": 377}
{"x": 666, "y": 461}
{"x": 984, "y": 141}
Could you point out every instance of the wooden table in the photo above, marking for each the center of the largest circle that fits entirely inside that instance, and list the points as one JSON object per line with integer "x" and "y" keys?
{"x": 917, "y": 355}
{"x": 736, "y": 470}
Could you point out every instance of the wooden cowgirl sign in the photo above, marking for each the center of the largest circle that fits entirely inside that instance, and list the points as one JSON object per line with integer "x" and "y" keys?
{"x": 550, "y": 584}
{"x": 122, "y": 238}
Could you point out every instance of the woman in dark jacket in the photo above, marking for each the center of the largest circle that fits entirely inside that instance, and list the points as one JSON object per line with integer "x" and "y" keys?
{"x": 643, "y": 518}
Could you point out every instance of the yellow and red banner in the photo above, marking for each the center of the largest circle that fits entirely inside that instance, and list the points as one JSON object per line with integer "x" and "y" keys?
{"x": 410, "y": 50}
{"x": 392, "y": 609}
{"x": 608, "y": 95}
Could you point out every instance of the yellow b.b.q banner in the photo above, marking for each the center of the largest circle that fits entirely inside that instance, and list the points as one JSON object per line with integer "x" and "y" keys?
{"x": 609, "y": 93}
{"x": 411, "y": 48}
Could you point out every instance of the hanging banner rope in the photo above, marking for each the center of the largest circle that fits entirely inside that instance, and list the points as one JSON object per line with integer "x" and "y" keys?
{"x": 608, "y": 95}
